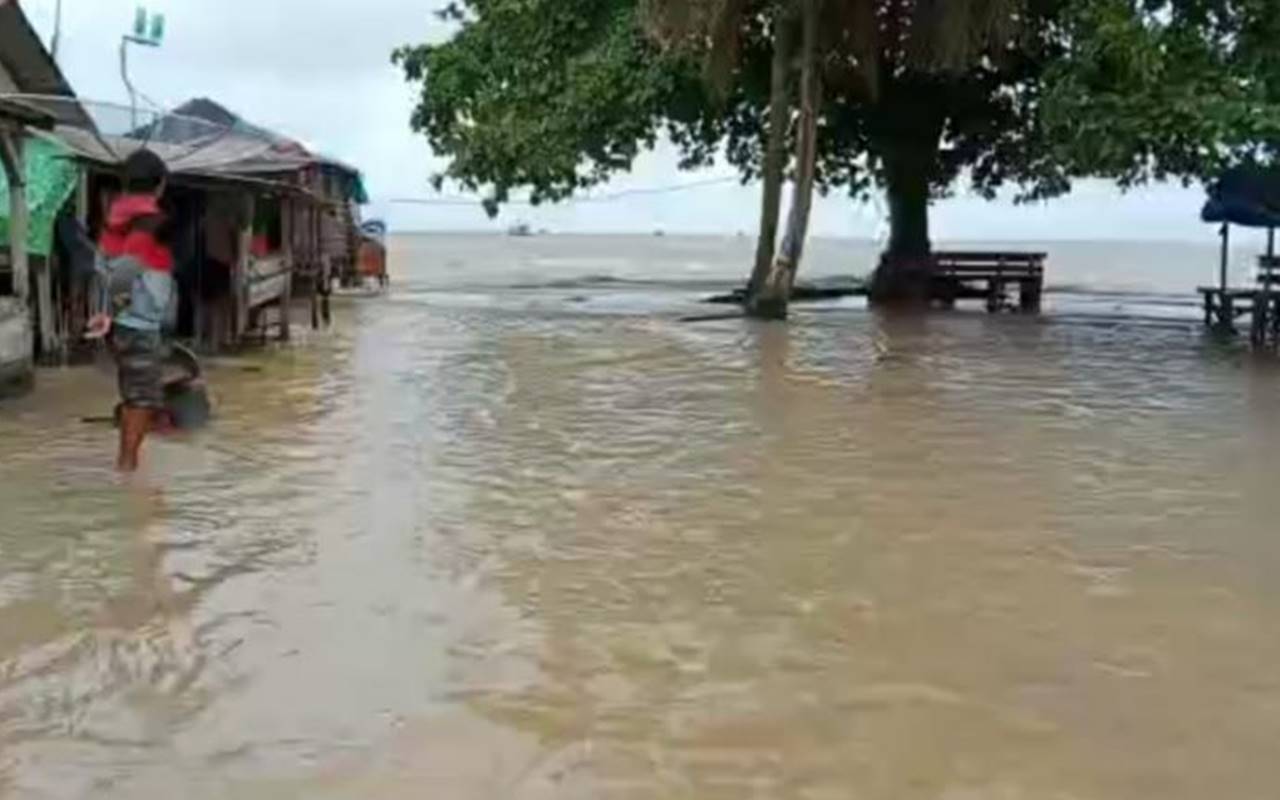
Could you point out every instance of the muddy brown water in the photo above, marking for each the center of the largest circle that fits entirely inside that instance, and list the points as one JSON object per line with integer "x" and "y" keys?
{"x": 547, "y": 541}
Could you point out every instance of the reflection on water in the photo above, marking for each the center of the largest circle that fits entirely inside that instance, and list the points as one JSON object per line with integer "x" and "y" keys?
{"x": 545, "y": 543}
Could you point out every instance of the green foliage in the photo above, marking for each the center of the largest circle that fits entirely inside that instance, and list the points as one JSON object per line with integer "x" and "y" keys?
{"x": 554, "y": 95}
{"x": 1171, "y": 90}
{"x": 557, "y": 95}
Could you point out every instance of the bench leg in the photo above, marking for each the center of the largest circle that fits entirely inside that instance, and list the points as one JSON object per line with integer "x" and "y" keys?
{"x": 942, "y": 292}
{"x": 995, "y": 296}
{"x": 1029, "y": 299}
{"x": 947, "y": 297}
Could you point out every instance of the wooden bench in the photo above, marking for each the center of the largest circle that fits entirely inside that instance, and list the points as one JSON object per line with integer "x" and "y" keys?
{"x": 1269, "y": 272}
{"x": 989, "y": 276}
{"x": 1222, "y": 307}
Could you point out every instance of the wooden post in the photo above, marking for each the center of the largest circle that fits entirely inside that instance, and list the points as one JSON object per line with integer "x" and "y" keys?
{"x": 82, "y": 291}
{"x": 19, "y": 223}
{"x": 1258, "y": 323}
{"x": 1275, "y": 321}
{"x": 15, "y": 171}
{"x": 286, "y": 237}
{"x": 200, "y": 318}
{"x": 313, "y": 263}
{"x": 326, "y": 284}
{"x": 50, "y": 345}
{"x": 244, "y": 258}
{"x": 317, "y": 262}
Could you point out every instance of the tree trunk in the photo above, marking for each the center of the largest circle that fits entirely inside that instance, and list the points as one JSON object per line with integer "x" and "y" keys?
{"x": 907, "y": 174}
{"x": 50, "y": 346}
{"x": 910, "y": 160}
{"x": 775, "y": 158}
{"x": 771, "y": 298}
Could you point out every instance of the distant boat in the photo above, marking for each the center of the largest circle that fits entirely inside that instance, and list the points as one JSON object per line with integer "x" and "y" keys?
{"x": 520, "y": 229}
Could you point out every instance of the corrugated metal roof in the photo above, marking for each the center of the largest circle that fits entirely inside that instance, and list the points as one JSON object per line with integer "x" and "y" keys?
{"x": 25, "y": 114}
{"x": 31, "y": 66}
{"x": 279, "y": 152}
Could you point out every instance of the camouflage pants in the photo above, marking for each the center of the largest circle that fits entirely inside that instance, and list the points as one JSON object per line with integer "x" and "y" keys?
{"x": 140, "y": 367}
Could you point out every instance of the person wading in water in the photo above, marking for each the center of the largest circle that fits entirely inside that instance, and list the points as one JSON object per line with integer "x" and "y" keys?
{"x": 140, "y": 301}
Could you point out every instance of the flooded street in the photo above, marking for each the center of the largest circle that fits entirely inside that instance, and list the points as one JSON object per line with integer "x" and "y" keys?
{"x": 487, "y": 538}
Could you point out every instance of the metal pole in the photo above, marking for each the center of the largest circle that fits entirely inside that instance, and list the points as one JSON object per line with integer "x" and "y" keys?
{"x": 57, "y": 30}
{"x": 1268, "y": 317}
{"x": 1226, "y": 256}
{"x": 124, "y": 75}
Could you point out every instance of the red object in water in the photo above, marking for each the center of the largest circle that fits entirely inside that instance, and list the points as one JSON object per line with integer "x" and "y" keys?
{"x": 373, "y": 259}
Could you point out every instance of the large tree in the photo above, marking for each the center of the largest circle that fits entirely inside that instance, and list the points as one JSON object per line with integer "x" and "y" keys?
{"x": 557, "y": 95}
{"x": 847, "y": 47}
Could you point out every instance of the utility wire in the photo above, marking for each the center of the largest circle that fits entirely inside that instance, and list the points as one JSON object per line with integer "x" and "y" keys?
{"x": 459, "y": 200}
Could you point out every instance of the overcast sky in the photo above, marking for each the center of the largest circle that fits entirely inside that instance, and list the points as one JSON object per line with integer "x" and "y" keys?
{"x": 321, "y": 72}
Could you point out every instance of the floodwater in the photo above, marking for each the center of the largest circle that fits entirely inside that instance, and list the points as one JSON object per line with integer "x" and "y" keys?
{"x": 515, "y": 531}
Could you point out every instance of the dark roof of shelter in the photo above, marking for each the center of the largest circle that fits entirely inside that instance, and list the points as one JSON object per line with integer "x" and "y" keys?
{"x": 32, "y": 67}
{"x": 1247, "y": 195}
{"x": 25, "y": 114}
{"x": 280, "y": 152}
{"x": 202, "y": 139}
{"x": 25, "y": 57}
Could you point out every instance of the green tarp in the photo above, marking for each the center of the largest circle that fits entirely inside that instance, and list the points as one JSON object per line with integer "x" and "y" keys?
{"x": 51, "y": 178}
{"x": 359, "y": 193}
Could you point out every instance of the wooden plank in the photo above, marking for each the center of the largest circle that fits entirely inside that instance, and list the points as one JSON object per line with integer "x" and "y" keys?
{"x": 1237, "y": 294}
{"x": 1004, "y": 266}
{"x": 1008, "y": 266}
{"x": 974, "y": 274}
{"x": 267, "y": 281}
{"x": 992, "y": 255}
{"x": 287, "y": 209}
